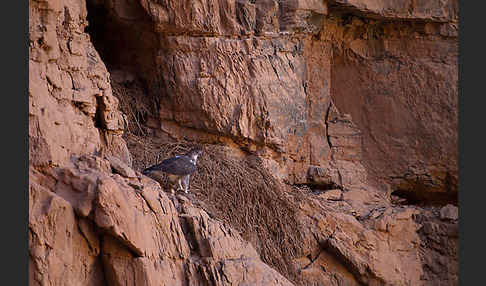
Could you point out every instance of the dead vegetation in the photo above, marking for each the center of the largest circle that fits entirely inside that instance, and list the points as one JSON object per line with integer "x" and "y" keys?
{"x": 238, "y": 191}
{"x": 135, "y": 104}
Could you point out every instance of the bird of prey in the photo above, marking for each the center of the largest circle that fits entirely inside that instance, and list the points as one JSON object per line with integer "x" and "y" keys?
{"x": 179, "y": 169}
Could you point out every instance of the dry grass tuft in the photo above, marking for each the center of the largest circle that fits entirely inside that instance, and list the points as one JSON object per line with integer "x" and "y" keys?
{"x": 240, "y": 192}
{"x": 135, "y": 104}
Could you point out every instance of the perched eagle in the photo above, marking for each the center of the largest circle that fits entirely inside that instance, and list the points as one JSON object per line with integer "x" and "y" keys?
{"x": 179, "y": 169}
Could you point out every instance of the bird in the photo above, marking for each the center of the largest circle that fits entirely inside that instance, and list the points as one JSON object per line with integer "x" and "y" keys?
{"x": 179, "y": 169}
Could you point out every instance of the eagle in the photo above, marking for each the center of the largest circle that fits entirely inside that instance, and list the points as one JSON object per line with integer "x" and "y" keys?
{"x": 179, "y": 169}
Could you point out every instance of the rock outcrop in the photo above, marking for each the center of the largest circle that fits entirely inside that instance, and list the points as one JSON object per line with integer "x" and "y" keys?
{"x": 89, "y": 226}
{"x": 262, "y": 75}
{"x": 72, "y": 110}
{"x": 398, "y": 82}
{"x": 346, "y": 103}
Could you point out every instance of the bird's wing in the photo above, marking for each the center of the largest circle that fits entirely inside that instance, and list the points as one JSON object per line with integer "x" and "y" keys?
{"x": 180, "y": 165}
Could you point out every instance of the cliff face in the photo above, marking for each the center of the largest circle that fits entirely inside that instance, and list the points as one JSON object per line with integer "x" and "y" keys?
{"x": 263, "y": 74}
{"x": 72, "y": 109}
{"x": 356, "y": 100}
{"x": 89, "y": 226}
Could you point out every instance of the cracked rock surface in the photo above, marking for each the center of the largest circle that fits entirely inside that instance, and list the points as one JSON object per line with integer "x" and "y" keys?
{"x": 130, "y": 236}
{"x": 355, "y": 99}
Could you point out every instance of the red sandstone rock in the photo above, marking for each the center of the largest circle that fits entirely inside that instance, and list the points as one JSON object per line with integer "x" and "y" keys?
{"x": 324, "y": 98}
{"x": 381, "y": 248}
{"x": 443, "y": 11}
{"x": 449, "y": 212}
{"x": 68, "y": 86}
{"x": 333, "y": 195}
{"x": 271, "y": 93}
{"x": 62, "y": 249}
{"x": 138, "y": 235}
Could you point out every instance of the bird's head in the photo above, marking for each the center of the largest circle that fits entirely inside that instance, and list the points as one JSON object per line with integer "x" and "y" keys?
{"x": 194, "y": 153}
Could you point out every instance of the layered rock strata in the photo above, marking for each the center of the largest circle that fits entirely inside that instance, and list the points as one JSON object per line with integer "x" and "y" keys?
{"x": 89, "y": 226}
{"x": 355, "y": 98}
{"x": 261, "y": 76}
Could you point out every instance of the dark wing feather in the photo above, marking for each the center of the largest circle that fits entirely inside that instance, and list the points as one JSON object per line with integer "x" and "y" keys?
{"x": 177, "y": 166}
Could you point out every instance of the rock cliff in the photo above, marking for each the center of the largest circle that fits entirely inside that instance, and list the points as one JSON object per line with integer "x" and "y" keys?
{"x": 330, "y": 134}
